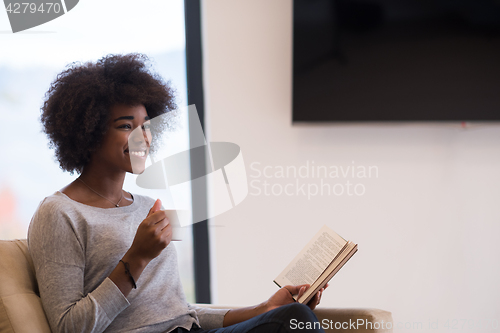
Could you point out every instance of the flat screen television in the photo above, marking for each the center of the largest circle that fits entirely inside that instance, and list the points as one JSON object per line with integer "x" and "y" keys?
{"x": 396, "y": 60}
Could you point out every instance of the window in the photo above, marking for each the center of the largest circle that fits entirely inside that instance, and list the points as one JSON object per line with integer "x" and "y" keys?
{"x": 29, "y": 62}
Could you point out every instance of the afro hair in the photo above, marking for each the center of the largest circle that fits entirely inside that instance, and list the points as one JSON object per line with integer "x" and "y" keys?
{"x": 75, "y": 111}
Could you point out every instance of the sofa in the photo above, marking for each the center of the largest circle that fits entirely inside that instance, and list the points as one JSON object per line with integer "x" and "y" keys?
{"x": 21, "y": 308}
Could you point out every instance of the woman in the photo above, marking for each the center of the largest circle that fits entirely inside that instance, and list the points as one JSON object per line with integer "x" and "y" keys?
{"x": 103, "y": 257}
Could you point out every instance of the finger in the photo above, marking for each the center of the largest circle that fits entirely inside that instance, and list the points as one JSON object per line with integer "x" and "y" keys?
{"x": 166, "y": 233}
{"x": 156, "y": 207}
{"x": 313, "y": 302}
{"x": 315, "y": 299}
{"x": 156, "y": 217}
{"x": 162, "y": 224}
{"x": 289, "y": 291}
{"x": 167, "y": 226}
{"x": 292, "y": 289}
{"x": 295, "y": 289}
{"x": 302, "y": 290}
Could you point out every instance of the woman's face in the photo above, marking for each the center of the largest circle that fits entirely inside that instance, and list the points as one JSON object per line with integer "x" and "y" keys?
{"x": 117, "y": 152}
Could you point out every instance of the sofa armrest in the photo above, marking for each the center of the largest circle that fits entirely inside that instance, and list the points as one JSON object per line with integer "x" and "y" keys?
{"x": 21, "y": 309}
{"x": 359, "y": 320}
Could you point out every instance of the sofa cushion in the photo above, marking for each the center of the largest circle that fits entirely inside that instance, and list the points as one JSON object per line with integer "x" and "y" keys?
{"x": 20, "y": 306}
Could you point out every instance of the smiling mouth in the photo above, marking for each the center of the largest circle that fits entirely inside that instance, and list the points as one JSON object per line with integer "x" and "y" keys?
{"x": 138, "y": 153}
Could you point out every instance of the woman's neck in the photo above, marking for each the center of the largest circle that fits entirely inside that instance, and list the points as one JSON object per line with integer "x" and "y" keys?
{"x": 108, "y": 185}
{"x": 99, "y": 189}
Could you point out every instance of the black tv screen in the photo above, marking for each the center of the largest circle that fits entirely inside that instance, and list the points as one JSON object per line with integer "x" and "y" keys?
{"x": 396, "y": 60}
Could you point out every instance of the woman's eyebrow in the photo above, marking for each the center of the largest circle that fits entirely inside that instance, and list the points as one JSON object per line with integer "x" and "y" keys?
{"x": 124, "y": 117}
{"x": 129, "y": 118}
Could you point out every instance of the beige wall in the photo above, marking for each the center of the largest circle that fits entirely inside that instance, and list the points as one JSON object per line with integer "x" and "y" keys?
{"x": 427, "y": 226}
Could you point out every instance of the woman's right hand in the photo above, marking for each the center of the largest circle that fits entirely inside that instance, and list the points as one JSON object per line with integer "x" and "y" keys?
{"x": 152, "y": 236}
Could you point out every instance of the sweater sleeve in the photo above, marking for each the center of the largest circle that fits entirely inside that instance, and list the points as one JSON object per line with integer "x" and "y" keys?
{"x": 209, "y": 318}
{"x": 57, "y": 246}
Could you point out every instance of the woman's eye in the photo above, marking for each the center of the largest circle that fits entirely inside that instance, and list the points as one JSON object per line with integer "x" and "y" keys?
{"x": 127, "y": 126}
{"x": 146, "y": 126}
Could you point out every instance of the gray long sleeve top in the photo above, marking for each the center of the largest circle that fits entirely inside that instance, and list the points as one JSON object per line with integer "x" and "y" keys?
{"x": 74, "y": 249}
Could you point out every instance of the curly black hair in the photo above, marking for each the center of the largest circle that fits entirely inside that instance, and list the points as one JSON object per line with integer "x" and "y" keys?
{"x": 75, "y": 111}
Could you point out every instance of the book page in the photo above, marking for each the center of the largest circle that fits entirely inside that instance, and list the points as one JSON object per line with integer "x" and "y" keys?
{"x": 334, "y": 267}
{"x": 313, "y": 259}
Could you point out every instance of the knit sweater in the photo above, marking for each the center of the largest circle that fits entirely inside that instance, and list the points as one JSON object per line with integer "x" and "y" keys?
{"x": 74, "y": 249}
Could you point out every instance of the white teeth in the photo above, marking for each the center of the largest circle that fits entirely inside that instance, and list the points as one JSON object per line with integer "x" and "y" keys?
{"x": 138, "y": 153}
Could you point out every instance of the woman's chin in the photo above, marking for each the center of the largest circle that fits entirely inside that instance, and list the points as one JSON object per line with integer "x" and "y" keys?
{"x": 138, "y": 167}
{"x": 137, "y": 170}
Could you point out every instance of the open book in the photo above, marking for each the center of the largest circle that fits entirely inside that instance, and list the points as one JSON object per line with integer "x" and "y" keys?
{"x": 317, "y": 263}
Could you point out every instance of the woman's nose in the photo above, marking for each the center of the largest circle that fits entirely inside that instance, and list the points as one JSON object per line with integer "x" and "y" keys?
{"x": 139, "y": 136}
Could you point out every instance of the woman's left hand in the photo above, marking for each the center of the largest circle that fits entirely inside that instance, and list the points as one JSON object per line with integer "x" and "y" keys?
{"x": 281, "y": 297}
{"x": 284, "y": 296}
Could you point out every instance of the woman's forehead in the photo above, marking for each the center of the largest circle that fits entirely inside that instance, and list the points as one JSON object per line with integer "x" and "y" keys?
{"x": 126, "y": 111}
